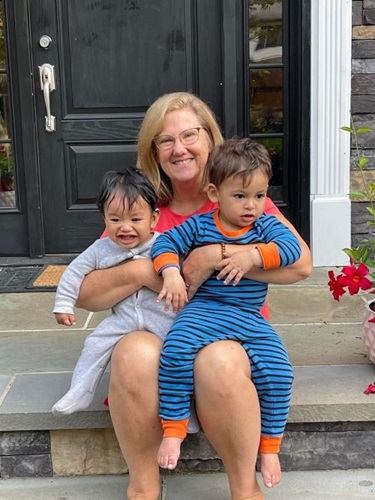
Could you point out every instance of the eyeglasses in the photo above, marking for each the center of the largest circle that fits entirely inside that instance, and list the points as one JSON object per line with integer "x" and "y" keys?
{"x": 186, "y": 137}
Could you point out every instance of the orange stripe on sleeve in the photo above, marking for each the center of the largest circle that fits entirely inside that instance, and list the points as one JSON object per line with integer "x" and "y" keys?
{"x": 270, "y": 444}
{"x": 165, "y": 259}
{"x": 270, "y": 255}
{"x": 175, "y": 428}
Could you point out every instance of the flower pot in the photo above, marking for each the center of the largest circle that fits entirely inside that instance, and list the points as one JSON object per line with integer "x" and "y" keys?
{"x": 369, "y": 329}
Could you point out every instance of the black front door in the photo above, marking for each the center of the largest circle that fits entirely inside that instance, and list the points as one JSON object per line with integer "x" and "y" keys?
{"x": 97, "y": 65}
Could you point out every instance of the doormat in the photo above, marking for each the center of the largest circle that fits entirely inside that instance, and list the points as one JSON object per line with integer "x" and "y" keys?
{"x": 35, "y": 278}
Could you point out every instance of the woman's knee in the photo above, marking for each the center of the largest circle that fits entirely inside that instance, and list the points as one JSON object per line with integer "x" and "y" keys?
{"x": 220, "y": 363}
{"x": 135, "y": 359}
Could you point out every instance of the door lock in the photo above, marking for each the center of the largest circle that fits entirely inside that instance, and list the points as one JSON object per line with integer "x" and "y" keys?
{"x": 45, "y": 42}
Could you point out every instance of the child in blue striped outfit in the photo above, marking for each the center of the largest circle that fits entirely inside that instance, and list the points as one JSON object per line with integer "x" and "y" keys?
{"x": 236, "y": 178}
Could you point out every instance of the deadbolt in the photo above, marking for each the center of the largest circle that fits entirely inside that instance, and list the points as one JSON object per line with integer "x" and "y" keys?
{"x": 45, "y": 41}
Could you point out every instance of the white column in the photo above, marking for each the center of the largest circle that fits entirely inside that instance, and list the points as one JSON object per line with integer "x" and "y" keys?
{"x": 331, "y": 38}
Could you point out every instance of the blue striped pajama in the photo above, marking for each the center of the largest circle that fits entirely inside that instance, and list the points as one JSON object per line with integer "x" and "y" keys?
{"x": 223, "y": 312}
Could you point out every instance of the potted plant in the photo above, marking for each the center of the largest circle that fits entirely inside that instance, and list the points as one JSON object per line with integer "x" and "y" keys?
{"x": 358, "y": 277}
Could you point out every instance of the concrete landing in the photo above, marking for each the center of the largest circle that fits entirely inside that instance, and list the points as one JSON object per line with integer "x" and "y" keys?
{"x": 312, "y": 485}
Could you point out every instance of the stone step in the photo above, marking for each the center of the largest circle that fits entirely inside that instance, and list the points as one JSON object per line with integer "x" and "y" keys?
{"x": 330, "y": 416}
{"x": 330, "y": 420}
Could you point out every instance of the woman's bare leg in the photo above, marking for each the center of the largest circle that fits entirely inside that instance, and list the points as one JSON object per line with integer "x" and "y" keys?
{"x": 228, "y": 408}
{"x": 134, "y": 404}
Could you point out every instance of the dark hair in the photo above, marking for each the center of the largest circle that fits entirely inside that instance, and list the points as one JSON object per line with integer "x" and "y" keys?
{"x": 239, "y": 157}
{"x": 131, "y": 184}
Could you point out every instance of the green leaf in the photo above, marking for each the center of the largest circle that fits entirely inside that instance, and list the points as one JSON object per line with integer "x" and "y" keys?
{"x": 357, "y": 194}
{"x": 364, "y": 254}
{"x": 347, "y": 129}
{"x": 363, "y": 130}
{"x": 362, "y": 162}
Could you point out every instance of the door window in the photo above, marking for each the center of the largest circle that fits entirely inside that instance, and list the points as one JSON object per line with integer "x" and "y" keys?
{"x": 266, "y": 78}
{"x": 7, "y": 177}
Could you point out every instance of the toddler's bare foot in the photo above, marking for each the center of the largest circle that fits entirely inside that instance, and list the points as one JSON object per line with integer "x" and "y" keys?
{"x": 270, "y": 469}
{"x": 169, "y": 452}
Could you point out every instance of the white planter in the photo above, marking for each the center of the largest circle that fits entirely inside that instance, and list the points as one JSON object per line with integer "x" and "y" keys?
{"x": 369, "y": 329}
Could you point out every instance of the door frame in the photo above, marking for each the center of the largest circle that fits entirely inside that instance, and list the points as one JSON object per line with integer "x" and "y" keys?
{"x": 26, "y": 95}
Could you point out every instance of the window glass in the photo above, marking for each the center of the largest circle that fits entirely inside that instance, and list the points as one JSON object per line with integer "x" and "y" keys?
{"x": 266, "y": 84}
{"x": 266, "y": 36}
{"x": 7, "y": 176}
{"x": 266, "y": 101}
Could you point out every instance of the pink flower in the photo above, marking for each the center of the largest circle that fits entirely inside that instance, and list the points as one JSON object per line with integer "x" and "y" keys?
{"x": 355, "y": 278}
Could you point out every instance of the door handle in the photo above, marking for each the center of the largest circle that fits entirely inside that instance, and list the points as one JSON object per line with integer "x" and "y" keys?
{"x": 47, "y": 83}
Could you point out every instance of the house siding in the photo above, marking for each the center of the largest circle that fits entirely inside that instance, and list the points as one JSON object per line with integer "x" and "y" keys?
{"x": 362, "y": 104}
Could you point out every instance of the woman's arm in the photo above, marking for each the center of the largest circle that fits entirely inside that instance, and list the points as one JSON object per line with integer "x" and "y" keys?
{"x": 104, "y": 288}
{"x": 202, "y": 262}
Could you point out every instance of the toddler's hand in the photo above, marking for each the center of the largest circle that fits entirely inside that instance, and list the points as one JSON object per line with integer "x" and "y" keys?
{"x": 65, "y": 319}
{"x": 235, "y": 265}
{"x": 174, "y": 290}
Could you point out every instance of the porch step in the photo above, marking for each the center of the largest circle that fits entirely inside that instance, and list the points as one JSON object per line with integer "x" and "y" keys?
{"x": 330, "y": 419}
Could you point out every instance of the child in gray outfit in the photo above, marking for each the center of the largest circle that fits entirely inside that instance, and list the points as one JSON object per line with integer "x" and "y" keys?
{"x": 127, "y": 201}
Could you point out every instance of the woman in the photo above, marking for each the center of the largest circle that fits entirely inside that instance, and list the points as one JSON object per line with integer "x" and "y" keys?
{"x": 176, "y": 137}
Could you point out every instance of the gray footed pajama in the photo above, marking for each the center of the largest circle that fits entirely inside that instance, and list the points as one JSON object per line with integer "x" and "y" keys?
{"x": 140, "y": 311}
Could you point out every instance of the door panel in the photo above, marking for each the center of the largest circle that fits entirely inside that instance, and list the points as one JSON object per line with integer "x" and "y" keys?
{"x": 112, "y": 59}
{"x": 117, "y": 56}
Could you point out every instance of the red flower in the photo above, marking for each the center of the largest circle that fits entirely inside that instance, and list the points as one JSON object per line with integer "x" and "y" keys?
{"x": 355, "y": 278}
{"x": 370, "y": 389}
{"x": 335, "y": 285}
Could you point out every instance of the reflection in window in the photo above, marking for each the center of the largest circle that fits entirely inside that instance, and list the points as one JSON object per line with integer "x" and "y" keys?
{"x": 266, "y": 76}
{"x": 265, "y": 31}
{"x": 7, "y": 177}
{"x": 266, "y": 101}
{"x": 274, "y": 147}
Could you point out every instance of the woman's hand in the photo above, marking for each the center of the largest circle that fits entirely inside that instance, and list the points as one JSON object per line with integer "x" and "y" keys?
{"x": 199, "y": 266}
{"x": 104, "y": 288}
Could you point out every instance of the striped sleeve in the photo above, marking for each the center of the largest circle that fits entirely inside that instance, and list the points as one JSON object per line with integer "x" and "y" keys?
{"x": 280, "y": 240}
{"x": 173, "y": 244}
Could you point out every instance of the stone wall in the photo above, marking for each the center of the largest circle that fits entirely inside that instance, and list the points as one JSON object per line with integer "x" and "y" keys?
{"x": 363, "y": 103}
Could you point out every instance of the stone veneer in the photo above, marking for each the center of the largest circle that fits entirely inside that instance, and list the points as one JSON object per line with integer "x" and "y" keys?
{"x": 319, "y": 446}
{"x": 363, "y": 102}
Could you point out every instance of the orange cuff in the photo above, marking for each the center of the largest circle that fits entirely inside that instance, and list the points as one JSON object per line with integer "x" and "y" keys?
{"x": 175, "y": 428}
{"x": 270, "y": 444}
{"x": 165, "y": 259}
{"x": 270, "y": 255}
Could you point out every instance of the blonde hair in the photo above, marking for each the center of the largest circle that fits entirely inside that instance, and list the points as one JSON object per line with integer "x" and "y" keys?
{"x": 152, "y": 125}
